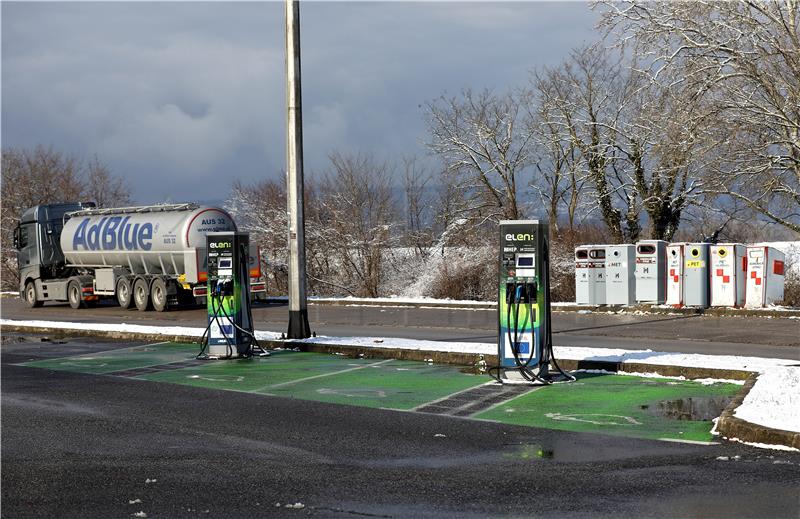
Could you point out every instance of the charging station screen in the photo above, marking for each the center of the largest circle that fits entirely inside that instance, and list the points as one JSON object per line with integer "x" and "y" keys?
{"x": 225, "y": 263}
{"x": 525, "y": 262}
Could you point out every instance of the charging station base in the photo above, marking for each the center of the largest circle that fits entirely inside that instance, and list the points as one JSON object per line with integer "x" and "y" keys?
{"x": 515, "y": 376}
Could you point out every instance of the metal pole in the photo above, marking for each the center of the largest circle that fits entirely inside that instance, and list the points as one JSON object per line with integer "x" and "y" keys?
{"x": 298, "y": 313}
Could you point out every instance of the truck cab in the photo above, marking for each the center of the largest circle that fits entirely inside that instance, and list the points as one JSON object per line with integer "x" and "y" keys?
{"x": 39, "y": 253}
{"x": 152, "y": 256}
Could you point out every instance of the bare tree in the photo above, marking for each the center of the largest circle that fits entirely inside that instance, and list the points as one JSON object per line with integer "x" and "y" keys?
{"x": 586, "y": 93}
{"x": 105, "y": 189}
{"x": 642, "y": 146}
{"x": 662, "y": 150}
{"x": 741, "y": 63}
{"x": 560, "y": 178}
{"x": 359, "y": 219}
{"x": 260, "y": 209}
{"x": 419, "y": 215}
{"x": 483, "y": 141}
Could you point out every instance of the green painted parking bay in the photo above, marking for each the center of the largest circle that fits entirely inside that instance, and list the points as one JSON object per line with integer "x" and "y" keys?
{"x": 621, "y": 405}
{"x": 388, "y": 383}
{"x": 122, "y": 359}
{"x": 607, "y": 404}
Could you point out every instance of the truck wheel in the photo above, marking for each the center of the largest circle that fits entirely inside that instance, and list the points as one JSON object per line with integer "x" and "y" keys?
{"x": 141, "y": 294}
{"x": 158, "y": 293}
{"x": 75, "y": 295}
{"x": 30, "y": 295}
{"x": 124, "y": 293}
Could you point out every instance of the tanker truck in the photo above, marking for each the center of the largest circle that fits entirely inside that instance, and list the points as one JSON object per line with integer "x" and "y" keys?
{"x": 149, "y": 256}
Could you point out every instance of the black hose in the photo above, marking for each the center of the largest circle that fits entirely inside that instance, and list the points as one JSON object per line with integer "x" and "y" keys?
{"x": 206, "y": 335}
{"x": 523, "y": 367}
{"x": 549, "y": 336}
{"x": 251, "y": 335}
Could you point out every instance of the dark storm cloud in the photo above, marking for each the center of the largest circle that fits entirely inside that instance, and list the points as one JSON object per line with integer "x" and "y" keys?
{"x": 183, "y": 97}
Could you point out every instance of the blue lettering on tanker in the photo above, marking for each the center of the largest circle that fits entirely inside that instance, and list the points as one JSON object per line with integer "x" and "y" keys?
{"x": 113, "y": 233}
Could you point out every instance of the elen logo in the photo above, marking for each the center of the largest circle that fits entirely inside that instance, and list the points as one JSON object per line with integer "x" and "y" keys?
{"x": 113, "y": 233}
{"x": 520, "y": 237}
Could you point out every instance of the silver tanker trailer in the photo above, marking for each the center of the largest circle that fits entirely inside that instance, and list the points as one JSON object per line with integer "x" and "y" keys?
{"x": 150, "y": 256}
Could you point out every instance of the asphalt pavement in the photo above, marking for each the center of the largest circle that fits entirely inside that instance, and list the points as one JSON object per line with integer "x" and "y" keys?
{"x": 79, "y": 445}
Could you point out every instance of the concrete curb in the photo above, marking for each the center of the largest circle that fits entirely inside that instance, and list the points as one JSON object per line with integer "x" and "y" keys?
{"x": 729, "y": 426}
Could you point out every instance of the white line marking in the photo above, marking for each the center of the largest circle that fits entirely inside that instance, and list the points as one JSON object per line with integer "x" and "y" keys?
{"x": 608, "y": 419}
{"x": 289, "y": 383}
{"x": 693, "y": 442}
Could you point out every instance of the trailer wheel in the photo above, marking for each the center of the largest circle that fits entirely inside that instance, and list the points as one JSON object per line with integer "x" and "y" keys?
{"x": 141, "y": 294}
{"x": 75, "y": 295}
{"x": 124, "y": 293}
{"x": 158, "y": 293}
{"x": 30, "y": 295}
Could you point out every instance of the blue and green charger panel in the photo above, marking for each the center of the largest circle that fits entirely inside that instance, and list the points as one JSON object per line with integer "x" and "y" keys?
{"x": 522, "y": 295}
{"x": 228, "y": 297}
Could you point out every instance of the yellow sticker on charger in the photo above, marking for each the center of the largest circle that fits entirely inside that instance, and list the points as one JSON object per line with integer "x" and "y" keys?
{"x": 695, "y": 264}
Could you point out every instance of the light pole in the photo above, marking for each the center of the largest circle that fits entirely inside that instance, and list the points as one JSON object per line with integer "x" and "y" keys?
{"x": 298, "y": 313}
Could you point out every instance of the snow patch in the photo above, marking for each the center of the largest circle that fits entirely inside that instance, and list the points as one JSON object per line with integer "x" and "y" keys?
{"x": 774, "y": 400}
{"x": 703, "y": 381}
{"x": 766, "y": 445}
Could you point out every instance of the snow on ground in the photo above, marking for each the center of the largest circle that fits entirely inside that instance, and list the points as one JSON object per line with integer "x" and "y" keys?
{"x": 771, "y": 402}
{"x": 774, "y": 401}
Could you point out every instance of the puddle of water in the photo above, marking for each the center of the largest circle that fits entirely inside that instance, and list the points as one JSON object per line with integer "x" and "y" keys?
{"x": 692, "y": 408}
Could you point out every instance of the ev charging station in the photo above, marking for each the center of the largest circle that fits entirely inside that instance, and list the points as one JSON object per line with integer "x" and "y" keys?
{"x": 766, "y": 270}
{"x": 728, "y": 272}
{"x": 525, "y": 346}
{"x": 620, "y": 280}
{"x": 651, "y": 271}
{"x": 230, "y": 322}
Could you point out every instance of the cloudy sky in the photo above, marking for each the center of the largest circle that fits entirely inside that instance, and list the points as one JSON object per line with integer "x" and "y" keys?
{"x": 181, "y": 98}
